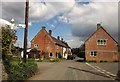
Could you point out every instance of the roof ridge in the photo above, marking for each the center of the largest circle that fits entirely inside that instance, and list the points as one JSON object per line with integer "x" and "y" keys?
{"x": 104, "y": 30}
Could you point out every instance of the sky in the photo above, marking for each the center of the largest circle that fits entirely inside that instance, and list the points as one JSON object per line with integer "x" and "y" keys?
{"x": 72, "y": 20}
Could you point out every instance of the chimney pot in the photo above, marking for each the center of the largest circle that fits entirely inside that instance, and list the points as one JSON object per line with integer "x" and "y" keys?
{"x": 50, "y": 32}
{"x": 98, "y": 25}
{"x": 58, "y": 38}
{"x": 61, "y": 39}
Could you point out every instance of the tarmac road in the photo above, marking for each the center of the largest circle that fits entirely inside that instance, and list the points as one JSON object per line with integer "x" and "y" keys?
{"x": 72, "y": 70}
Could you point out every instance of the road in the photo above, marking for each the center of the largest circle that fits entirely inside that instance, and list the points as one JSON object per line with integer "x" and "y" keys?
{"x": 72, "y": 70}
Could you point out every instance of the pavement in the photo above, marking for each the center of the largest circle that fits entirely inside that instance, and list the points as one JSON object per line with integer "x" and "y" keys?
{"x": 74, "y": 70}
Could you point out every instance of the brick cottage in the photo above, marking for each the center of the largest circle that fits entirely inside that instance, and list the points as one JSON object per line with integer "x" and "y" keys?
{"x": 49, "y": 46}
{"x": 101, "y": 46}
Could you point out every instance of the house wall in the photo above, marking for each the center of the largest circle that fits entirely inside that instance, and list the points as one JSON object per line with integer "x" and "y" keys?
{"x": 65, "y": 53}
{"x": 58, "y": 49}
{"x": 108, "y": 52}
{"x": 46, "y": 44}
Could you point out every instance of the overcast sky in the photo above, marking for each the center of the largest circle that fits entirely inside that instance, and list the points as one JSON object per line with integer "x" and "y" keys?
{"x": 73, "y": 20}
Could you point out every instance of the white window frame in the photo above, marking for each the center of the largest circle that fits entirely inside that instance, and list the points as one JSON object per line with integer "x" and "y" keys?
{"x": 102, "y": 42}
{"x": 92, "y": 53}
{"x": 35, "y": 45}
{"x": 50, "y": 54}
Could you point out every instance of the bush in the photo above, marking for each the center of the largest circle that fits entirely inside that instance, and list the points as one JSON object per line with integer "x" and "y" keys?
{"x": 116, "y": 61}
{"x": 81, "y": 54}
{"x": 51, "y": 60}
{"x": 102, "y": 61}
{"x": 21, "y": 71}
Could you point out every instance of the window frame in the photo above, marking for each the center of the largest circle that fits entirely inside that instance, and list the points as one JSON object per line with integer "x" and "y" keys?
{"x": 51, "y": 54}
{"x": 93, "y": 53}
{"x": 35, "y": 45}
{"x": 102, "y": 42}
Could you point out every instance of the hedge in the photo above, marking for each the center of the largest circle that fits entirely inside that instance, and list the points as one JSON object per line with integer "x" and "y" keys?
{"x": 21, "y": 71}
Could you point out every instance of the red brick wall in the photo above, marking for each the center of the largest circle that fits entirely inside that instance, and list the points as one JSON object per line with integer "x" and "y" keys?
{"x": 45, "y": 44}
{"x": 106, "y": 52}
{"x": 59, "y": 49}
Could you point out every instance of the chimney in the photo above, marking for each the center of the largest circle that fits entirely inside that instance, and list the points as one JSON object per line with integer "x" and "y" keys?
{"x": 62, "y": 39}
{"x": 43, "y": 27}
{"x": 50, "y": 32}
{"x": 58, "y": 38}
{"x": 98, "y": 25}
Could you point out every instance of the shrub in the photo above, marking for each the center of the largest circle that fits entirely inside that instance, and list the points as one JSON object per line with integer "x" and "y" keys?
{"x": 116, "y": 61}
{"x": 102, "y": 61}
{"x": 21, "y": 71}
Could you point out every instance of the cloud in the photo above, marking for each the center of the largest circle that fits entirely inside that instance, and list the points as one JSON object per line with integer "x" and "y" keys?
{"x": 20, "y": 44}
{"x": 75, "y": 42}
{"x": 3, "y": 23}
{"x": 13, "y": 10}
{"x": 60, "y": 0}
{"x": 63, "y": 19}
{"x": 37, "y": 11}
{"x": 85, "y": 17}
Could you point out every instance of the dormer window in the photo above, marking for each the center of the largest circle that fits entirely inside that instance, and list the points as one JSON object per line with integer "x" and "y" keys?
{"x": 101, "y": 42}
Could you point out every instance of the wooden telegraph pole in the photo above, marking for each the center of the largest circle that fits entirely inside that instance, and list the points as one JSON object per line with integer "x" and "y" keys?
{"x": 26, "y": 30}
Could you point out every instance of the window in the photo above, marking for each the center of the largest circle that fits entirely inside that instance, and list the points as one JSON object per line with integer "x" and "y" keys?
{"x": 50, "y": 54}
{"x": 35, "y": 45}
{"x": 93, "y": 53}
{"x": 102, "y": 42}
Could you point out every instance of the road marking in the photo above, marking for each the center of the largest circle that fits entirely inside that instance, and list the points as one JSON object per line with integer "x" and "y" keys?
{"x": 102, "y": 71}
{"x": 106, "y": 71}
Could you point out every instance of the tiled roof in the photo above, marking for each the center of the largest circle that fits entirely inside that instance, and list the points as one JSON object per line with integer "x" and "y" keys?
{"x": 56, "y": 41}
{"x": 61, "y": 43}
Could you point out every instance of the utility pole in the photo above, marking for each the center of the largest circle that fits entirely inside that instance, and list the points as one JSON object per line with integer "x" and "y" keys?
{"x": 26, "y": 30}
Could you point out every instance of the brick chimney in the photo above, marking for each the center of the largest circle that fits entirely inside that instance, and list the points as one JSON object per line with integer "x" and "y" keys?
{"x": 58, "y": 37}
{"x": 62, "y": 39}
{"x": 50, "y": 32}
{"x": 98, "y": 25}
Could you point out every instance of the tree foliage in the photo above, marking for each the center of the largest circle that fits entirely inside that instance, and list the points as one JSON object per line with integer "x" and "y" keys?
{"x": 8, "y": 37}
{"x": 77, "y": 51}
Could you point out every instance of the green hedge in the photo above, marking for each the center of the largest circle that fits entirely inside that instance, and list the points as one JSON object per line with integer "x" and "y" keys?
{"x": 21, "y": 71}
{"x": 103, "y": 61}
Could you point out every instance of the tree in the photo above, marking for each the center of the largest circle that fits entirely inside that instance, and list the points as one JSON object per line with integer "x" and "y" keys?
{"x": 8, "y": 38}
{"x": 79, "y": 52}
